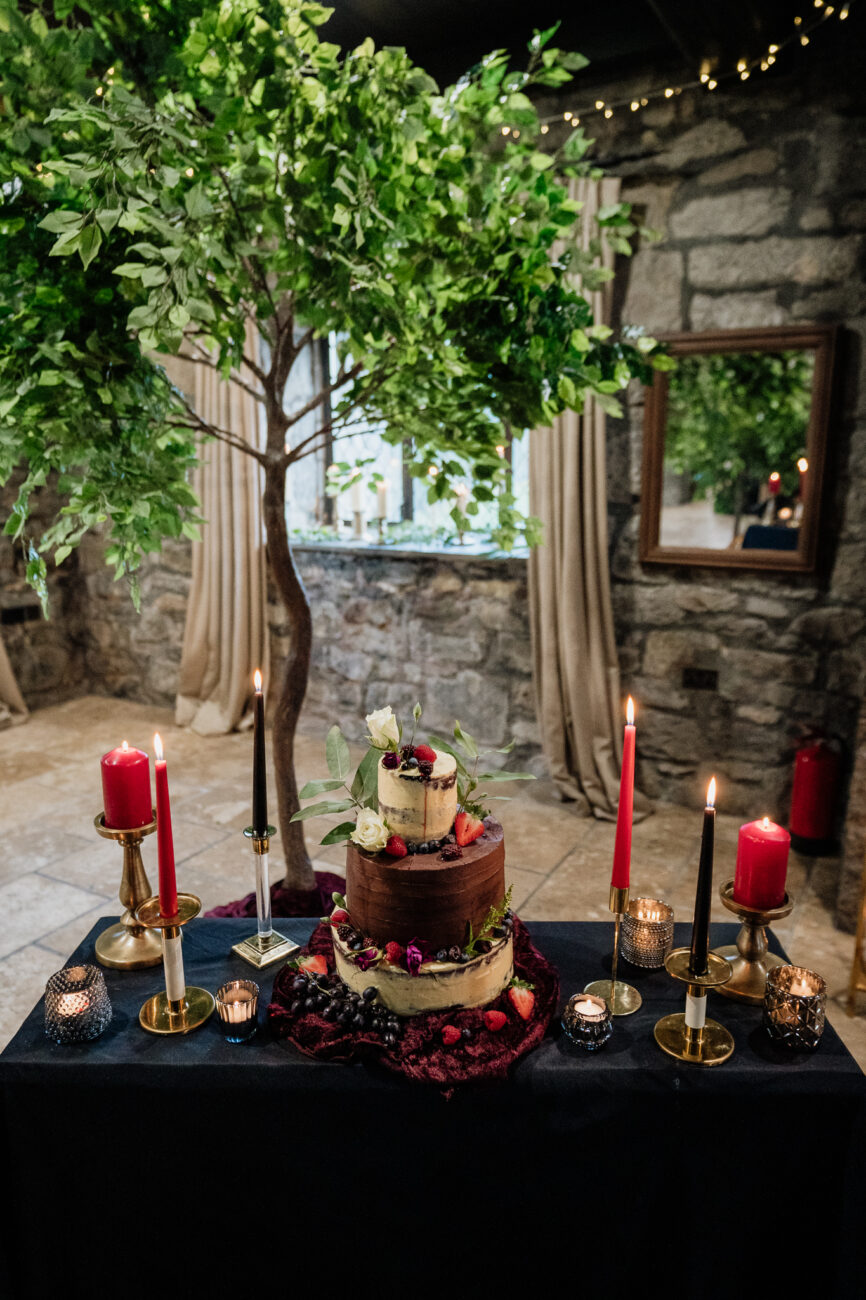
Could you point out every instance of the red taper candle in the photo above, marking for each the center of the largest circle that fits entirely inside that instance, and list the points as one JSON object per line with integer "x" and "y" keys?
{"x": 126, "y": 788}
{"x": 774, "y": 483}
{"x": 762, "y": 864}
{"x": 165, "y": 842}
{"x": 622, "y": 845}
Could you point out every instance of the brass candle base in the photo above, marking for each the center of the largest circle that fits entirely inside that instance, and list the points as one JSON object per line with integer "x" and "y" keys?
{"x": 750, "y": 957}
{"x": 623, "y": 999}
{"x": 160, "y": 1014}
{"x": 261, "y": 952}
{"x": 708, "y": 1046}
{"x": 129, "y": 945}
{"x": 710, "y": 1043}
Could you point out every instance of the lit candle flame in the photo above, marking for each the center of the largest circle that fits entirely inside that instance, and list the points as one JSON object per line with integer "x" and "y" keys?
{"x": 157, "y": 745}
{"x": 711, "y": 793}
{"x": 629, "y": 712}
{"x": 500, "y": 451}
{"x": 775, "y": 476}
{"x": 766, "y": 823}
{"x": 125, "y": 746}
{"x": 257, "y": 680}
{"x": 802, "y": 464}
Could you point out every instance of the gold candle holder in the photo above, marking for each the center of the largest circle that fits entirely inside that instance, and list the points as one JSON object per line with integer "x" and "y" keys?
{"x": 691, "y": 1037}
{"x": 266, "y": 946}
{"x": 750, "y": 958}
{"x": 129, "y": 945}
{"x": 180, "y": 1008}
{"x": 623, "y": 999}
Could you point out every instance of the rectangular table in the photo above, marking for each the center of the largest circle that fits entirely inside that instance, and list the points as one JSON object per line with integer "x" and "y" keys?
{"x": 626, "y": 1138}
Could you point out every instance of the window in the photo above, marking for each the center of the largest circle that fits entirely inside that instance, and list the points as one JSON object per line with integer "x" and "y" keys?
{"x": 373, "y": 480}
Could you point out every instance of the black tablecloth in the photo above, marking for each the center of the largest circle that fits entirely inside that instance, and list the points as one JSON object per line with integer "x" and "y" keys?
{"x": 118, "y": 1146}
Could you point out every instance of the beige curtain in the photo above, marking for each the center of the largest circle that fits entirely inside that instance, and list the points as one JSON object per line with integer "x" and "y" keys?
{"x": 225, "y": 638}
{"x": 12, "y": 706}
{"x": 575, "y": 667}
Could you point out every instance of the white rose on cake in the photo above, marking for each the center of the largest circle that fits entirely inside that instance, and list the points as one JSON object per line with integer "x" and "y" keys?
{"x": 384, "y": 731}
{"x": 371, "y": 831}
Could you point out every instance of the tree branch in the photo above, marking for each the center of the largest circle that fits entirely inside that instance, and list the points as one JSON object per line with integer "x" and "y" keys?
{"x": 214, "y": 431}
{"x": 343, "y": 377}
{"x": 233, "y": 379}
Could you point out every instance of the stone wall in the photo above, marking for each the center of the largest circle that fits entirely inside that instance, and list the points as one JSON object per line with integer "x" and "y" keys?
{"x": 759, "y": 193}
{"x": 389, "y": 629}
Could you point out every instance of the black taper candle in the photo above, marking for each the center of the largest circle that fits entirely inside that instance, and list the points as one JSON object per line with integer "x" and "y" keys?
{"x": 260, "y": 774}
{"x": 699, "y": 959}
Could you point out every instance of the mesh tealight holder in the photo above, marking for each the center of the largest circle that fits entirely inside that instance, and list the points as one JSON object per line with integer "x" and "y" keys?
{"x": 647, "y": 932}
{"x": 77, "y": 1007}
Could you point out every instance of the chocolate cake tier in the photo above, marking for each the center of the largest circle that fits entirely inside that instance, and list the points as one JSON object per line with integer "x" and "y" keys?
{"x": 422, "y": 897}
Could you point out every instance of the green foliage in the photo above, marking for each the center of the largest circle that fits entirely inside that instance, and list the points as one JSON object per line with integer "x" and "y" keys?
{"x": 467, "y": 756}
{"x": 733, "y": 418}
{"x": 492, "y": 920}
{"x": 173, "y": 168}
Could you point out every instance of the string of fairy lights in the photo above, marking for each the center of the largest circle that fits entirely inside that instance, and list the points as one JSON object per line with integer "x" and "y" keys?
{"x": 708, "y": 77}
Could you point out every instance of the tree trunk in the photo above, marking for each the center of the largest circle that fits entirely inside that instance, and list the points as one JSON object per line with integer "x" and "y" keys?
{"x": 292, "y": 686}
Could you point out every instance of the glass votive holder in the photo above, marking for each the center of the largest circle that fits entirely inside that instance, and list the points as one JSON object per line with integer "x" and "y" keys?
{"x": 647, "y": 932}
{"x": 77, "y": 1006}
{"x": 587, "y": 1021}
{"x": 795, "y": 1005}
{"x": 237, "y": 1003}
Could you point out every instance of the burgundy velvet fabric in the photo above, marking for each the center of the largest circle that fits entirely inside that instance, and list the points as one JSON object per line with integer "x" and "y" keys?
{"x": 420, "y": 1054}
{"x": 289, "y": 902}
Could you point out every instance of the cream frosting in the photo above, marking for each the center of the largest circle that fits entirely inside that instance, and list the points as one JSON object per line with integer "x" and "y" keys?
{"x": 419, "y": 808}
{"x": 439, "y": 984}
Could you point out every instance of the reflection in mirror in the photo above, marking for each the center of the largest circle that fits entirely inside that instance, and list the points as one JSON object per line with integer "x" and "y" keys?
{"x": 734, "y": 440}
{"x": 735, "y": 464}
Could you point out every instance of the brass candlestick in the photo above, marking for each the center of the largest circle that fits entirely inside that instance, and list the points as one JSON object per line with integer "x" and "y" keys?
{"x": 128, "y": 945}
{"x": 622, "y": 998}
{"x": 691, "y": 1037}
{"x": 266, "y": 946}
{"x": 749, "y": 957}
{"x": 180, "y": 1008}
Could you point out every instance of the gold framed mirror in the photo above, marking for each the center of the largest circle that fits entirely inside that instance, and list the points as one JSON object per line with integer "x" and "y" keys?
{"x": 734, "y": 449}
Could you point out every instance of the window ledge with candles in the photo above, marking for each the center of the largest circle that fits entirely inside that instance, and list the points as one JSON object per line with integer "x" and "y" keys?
{"x": 471, "y": 548}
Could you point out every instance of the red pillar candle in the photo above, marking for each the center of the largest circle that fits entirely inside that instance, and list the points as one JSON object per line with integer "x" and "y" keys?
{"x": 622, "y": 845}
{"x": 165, "y": 842}
{"x": 762, "y": 864}
{"x": 126, "y": 788}
{"x": 774, "y": 483}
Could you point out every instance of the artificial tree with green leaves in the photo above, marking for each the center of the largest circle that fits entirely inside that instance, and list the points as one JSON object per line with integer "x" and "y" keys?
{"x": 172, "y": 170}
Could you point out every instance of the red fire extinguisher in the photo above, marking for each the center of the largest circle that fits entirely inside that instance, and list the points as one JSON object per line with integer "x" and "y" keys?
{"x": 814, "y": 797}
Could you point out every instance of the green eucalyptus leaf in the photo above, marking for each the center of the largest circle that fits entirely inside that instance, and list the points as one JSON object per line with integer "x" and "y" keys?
{"x": 338, "y": 835}
{"x": 314, "y": 788}
{"x": 337, "y": 754}
{"x": 328, "y": 808}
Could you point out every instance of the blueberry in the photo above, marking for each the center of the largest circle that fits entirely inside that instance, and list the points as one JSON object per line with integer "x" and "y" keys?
{"x": 411, "y": 762}
{"x": 442, "y": 955}
{"x": 464, "y": 957}
{"x": 299, "y": 983}
{"x": 498, "y": 932}
{"x": 467, "y": 1032}
{"x": 356, "y": 945}
{"x": 390, "y": 1039}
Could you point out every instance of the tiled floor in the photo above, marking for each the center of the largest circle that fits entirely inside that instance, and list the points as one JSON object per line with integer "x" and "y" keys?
{"x": 57, "y": 876}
